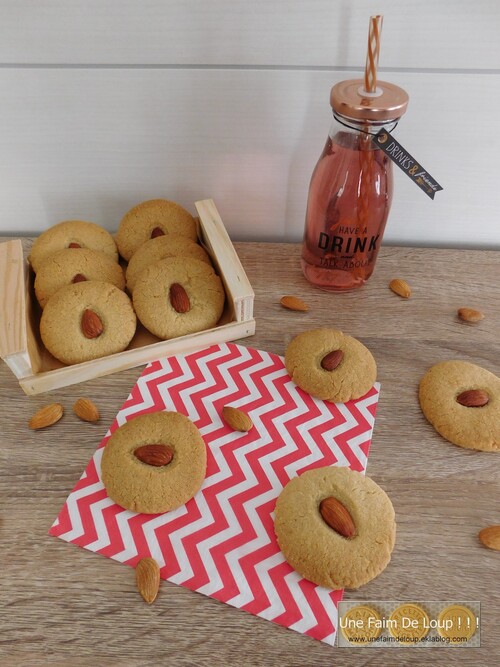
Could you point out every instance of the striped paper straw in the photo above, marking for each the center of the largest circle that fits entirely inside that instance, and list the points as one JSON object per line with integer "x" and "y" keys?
{"x": 373, "y": 53}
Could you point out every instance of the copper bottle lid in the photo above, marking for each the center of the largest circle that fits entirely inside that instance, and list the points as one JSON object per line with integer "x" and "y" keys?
{"x": 349, "y": 99}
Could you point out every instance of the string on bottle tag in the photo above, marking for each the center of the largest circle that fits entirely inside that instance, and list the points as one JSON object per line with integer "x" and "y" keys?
{"x": 357, "y": 128}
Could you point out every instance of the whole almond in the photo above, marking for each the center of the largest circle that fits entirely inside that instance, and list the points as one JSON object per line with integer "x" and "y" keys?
{"x": 236, "y": 419}
{"x": 91, "y": 324}
{"x": 294, "y": 303}
{"x": 157, "y": 231}
{"x": 79, "y": 278}
{"x": 337, "y": 517}
{"x": 473, "y": 398}
{"x": 46, "y": 416}
{"x": 155, "y": 455}
{"x": 179, "y": 299}
{"x": 86, "y": 410}
{"x": 470, "y": 315}
{"x": 490, "y": 537}
{"x": 331, "y": 360}
{"x": 147, "y": 577}
{"x": 400, "y": 287}
{"x": 74, "y": 245}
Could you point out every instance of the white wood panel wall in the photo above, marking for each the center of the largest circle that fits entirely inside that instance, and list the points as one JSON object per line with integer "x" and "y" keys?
{"x": 107, "y": 103}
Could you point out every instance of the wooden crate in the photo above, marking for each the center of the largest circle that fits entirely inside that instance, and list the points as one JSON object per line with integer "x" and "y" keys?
{"x": 38, "y": 371}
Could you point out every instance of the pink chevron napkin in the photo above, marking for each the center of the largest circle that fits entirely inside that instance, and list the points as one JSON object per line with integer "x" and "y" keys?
{"x": 222, "y": 542}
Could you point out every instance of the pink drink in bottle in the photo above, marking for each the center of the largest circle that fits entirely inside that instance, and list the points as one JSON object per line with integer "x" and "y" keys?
{"x": 351, "y": 188}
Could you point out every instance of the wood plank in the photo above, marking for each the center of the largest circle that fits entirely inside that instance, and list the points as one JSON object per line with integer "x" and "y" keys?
{"x": 63, "y": 377}
{"x": 224, "y": 32}
{"x": 218, "y": 243}
{"x": 13, "y": 329}
{"x": 64, "y": 605}
{"x": 187, "y": 135}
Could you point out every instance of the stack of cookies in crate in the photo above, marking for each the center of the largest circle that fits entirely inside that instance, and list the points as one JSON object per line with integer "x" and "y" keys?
{"x": 165, "y": 283}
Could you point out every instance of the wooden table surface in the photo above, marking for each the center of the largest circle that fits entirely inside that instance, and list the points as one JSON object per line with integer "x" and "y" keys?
{"x": 62, "y": 605}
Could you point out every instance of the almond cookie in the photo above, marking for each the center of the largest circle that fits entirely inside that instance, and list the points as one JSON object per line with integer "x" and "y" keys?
{"x": 154, "y": 463}
{"x": 462, "y": 402}
{"x": 87, "y": 320}
{"x": 330, "y": 365}
{"x": 153, "y": 218}
{"x": 73, "y": 265}
{"x": 71, "y": 234}
{"x": 178, "y": 296}
{"x": 318, "y": 551}
{"x": 161, "y": 247}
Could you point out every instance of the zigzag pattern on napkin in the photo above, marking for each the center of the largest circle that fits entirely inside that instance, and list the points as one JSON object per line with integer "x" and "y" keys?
{"x": 222, "y": 543}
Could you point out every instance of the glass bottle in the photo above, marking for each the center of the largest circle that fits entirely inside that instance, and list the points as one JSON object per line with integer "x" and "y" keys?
{"x": 351, "y": 188}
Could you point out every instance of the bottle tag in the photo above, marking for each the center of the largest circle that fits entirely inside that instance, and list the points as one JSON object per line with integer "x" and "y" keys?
{"x": 384, "y": 140}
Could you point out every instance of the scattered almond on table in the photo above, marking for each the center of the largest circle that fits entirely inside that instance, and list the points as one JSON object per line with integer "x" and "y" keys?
{"x": 470, "y": 315}
{"x": 294, "y": 303}
{"x": 46, "y": 416}
{"x": 86, "y": 410}
{"x": 400, "y": 287}
{"x": 236, "y": 419}
{"x": 490, "y": 537}
{"x": 147, "y": 577}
